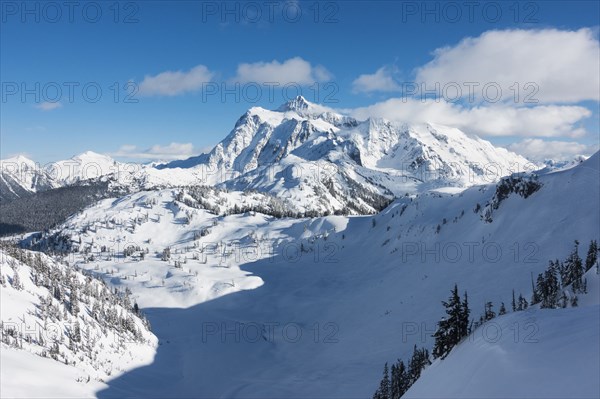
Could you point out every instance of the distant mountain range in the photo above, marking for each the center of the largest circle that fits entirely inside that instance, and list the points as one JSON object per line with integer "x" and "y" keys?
{"x": 21, "y": 176}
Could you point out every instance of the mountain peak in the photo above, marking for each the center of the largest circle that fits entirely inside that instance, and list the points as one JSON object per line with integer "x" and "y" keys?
{"x": 19, "y": 160}
{"x": 298, "y": 103}
{"x": 303, "y": 107}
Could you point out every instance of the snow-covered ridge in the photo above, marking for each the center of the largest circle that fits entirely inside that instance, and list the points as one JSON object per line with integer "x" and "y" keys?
{"x": 87, "y": 165}
{"x": 20, "y": 176}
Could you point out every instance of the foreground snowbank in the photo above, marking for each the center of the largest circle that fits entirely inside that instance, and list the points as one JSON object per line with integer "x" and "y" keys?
{"x": 539, "y": 353}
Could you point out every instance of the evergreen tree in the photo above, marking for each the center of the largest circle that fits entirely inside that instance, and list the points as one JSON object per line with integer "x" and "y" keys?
{"x": 573, "y": 271}
{"x": 383, "y": 392}
{"x": 402, "y": 378}
{"x": 592, "y": 255}
{"x": 166, "y": 254}
{"x": 522, "y": 303}
{"x": 548, "y": 286}
{"x": 441, "y": 346}
{"x": 453, "y": 328}
{"x": 514, "y": 303}
{"x": 418, "y": 361}
{"x": 489, "y": 313}
{"x": 465, "y": 315}
{"x": 405, "y": 383}
{"x": 16, "y": 281}
{"x": 394, "y": 382}
{"x": 534, "y": 299}
{"x": 74, "y": 301}
{"x": 502, "y": 309}
{"x": 77, "y": 332}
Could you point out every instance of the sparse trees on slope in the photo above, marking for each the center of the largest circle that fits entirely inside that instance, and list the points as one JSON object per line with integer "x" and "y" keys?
{"x": 393, "y": 385}
{"x": 418, "y": 361}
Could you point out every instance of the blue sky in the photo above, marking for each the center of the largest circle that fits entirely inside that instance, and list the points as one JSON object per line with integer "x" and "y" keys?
{"x": 362, "y": 54}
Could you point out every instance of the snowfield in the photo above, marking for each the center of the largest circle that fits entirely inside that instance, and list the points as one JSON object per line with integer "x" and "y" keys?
{"x": 249, "y": 305}
{"x": 550, "y": 353}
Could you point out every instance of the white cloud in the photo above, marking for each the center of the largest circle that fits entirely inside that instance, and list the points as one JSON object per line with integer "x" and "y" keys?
{"x": 563, "y": 64}
{"x": 48, "y": 106}
{"x": 157, "y": 152}
{"x": 499, "y": 120}
{"x": 172, "y": 83}
{"x": 540, "y": 150}
{"x": 294, "y": 70}
{"x": 381, "y": 80}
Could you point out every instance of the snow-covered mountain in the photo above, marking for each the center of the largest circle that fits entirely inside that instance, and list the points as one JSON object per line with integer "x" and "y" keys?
{"x": 20, "y": 176}
{"x": 329, "y": 162}
{"x": 320, "y": 161}
{"x": 86, "y": 166}
{"x": 248, "y": 305}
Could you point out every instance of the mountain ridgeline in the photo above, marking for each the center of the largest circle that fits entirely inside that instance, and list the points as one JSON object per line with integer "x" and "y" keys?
{"x": 315, "y": 160}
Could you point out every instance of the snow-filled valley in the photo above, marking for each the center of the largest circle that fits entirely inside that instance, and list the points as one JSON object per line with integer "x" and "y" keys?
{"x": 246, "y": 304}
{"x": 299, "y": 199}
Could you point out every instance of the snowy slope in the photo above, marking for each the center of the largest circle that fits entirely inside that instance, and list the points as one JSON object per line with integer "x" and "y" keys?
{"x": 527, "y": 354}
{"x": 56, "y": 320}
{"x": 52, "y": 378}
{"x": 533, "y": 354}
{"x": 360, "y": 290}
{"x": 204, "y": 242}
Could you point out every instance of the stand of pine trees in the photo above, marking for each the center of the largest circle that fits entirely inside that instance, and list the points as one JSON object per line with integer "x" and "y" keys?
{"x": 395, "y": 383}
{"x": 562, "y": 281}
{"x": 455, "y": 327}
